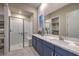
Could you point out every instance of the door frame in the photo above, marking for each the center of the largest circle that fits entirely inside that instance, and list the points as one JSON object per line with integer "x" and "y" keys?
{"x": 9, "y": 30}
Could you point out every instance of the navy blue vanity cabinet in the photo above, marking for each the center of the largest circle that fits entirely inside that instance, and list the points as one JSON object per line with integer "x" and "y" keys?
{"x": 47, "y": 51}
{"x": 51, "y": 46}
{"x": 62, "y": 52}
{"x": 34, "y": 42}
{"x": 40, "y": 47}
{"x": 48, "y": 48}
{"x": 45, "y": 48}
{"x": 57, "y": 54}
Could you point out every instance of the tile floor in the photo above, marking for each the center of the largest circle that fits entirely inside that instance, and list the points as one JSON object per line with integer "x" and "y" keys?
{"x": 28, "y": 51}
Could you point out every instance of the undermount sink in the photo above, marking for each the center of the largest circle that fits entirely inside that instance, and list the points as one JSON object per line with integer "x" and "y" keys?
{"x": 71, "y": 43}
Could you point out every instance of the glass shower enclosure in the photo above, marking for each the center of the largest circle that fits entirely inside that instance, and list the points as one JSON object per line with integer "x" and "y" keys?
{"x": 19, "y": 31}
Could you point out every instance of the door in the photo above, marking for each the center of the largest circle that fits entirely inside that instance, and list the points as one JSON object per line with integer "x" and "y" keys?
{"x": 40, "y": 47}
{"x": 16, "y": 33}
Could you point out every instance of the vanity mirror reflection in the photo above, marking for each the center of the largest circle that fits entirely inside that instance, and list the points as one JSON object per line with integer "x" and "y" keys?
{"x": 52, "y": 26}
{"x": 72, "y": 23}
{"x": 64, "y": 23}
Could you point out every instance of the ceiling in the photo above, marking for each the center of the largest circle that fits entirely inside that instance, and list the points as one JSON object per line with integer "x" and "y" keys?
{"x": 15, "y": 10}
{"x": 51, "y": 7}
{"x": 34, "y": 5}
{"x": 28, "y": 8}
{"x": 25, "y": 8}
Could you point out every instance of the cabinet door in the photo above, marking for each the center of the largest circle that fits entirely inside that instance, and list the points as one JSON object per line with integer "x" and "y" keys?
{"x": 47, "y": 51}
{"x": 51, "y": 46}
{"x": 40, "y": 48}
{"x": 64, "y": 52}
{"x": 34, "y": 42}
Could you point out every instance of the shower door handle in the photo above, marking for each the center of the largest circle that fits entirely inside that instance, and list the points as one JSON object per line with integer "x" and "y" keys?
{"x": 20, "y": 33}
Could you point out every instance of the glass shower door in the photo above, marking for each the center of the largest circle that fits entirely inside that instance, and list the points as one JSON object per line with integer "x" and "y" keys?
{"x": 16, "y": 33}
{"x": 27, "y": 32}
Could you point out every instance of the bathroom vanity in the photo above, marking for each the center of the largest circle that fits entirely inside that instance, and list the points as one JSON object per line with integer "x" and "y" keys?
{"x": 50, "y": 45}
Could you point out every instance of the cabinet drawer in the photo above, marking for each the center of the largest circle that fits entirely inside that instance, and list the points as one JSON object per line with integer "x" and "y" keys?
{"x": 64, "y": 52}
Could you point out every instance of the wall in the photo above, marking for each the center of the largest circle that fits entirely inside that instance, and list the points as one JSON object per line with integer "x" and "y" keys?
{"x": 1, "y": 9}
{"x": 34, "y": 21}
{"x": 41, "y": 19}
{"x": 62, "y": 13}
{"x": 6, "y": 28}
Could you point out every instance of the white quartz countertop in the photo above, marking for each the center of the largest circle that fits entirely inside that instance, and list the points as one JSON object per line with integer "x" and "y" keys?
{"x": 54, "y": 39}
